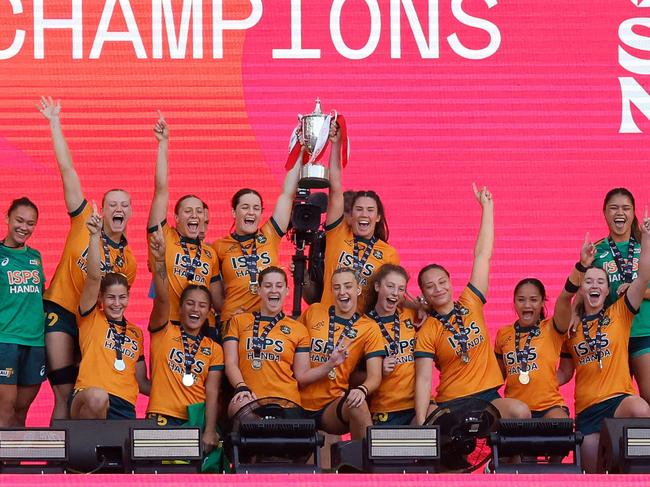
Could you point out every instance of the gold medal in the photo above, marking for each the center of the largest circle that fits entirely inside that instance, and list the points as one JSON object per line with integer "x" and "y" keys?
{"x": 332, "y": 374}
{"x": 256, "y": 364}
{"x": 524, "y": 377}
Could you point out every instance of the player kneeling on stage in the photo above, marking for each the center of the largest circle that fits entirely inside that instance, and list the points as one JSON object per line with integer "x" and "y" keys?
{"x": 339, "y": 338}
{"x": 186, "y": 365}
{"x": 112, "y": 355}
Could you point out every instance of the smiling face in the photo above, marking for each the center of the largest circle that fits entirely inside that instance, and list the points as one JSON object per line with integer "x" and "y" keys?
{"x": 364, "y": 216}
{"x": 437, "y": 290}
{"x": 116, "y": 211}
{"x": 247, "y": 214}
{"x": 619, "y": 215}
{"x": 273, "y": 291}
{"x": 190, "y": 217}
{"x": 594, "y": 289}
{"x": 390, "y": 293}
{"x": 528, "y": 304}
{"x": 114, "y": 301}
{"x": 21, "y": 223}
{"x": 194, "y": 310}
{"x": 346, "y": 290}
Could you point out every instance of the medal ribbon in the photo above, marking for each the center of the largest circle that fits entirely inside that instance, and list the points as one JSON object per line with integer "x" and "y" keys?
{"x": 329, "y": 346}
{"x": 118, "y": 337}
{"x": 461, "y": 334}
{"x": 251, "y": 259}
{"x": 595, "y": 344}
{"x": 119, "y": 261}
{"x": 258, "y": 341}
{"x": 393, "y": 343}
{"x": 522, "y": 354}
{"x": 359, "y": 263}
{"x": 191, "y": 264}
{"x": 624, "y": 265}
{"x": 190, "y": 353}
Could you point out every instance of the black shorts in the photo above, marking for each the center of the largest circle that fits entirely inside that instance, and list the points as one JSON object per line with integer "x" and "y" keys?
{"x": 394, "y": 418}
{"x": 542, "y": 413}
{"x": 21, "y": 365}
{"x": 590, "y": 420}
{"x": 57, "y": 318}
{"x": 164, "y": 420}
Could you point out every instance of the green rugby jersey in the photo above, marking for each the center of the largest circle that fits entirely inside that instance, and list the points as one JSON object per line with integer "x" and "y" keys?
{"x": 605, "y": 260}
{"x": 22, "y": 281}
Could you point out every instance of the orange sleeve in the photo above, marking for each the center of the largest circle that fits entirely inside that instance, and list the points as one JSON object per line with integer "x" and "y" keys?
{"x": 498, "y": 342}
{"x": 425, "y": 342}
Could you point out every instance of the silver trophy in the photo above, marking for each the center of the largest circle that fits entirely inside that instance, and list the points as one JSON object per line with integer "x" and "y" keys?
{"x": 314, "y": 133}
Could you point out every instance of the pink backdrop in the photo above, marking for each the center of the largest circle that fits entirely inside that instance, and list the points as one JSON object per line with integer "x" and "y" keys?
{"x": 533, "y": 110}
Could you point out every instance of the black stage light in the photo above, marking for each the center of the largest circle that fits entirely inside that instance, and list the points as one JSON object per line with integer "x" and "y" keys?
{"x": 540, "y": 443}
{"x": 33, "y": 450}
{"x": 165, "y": 450}
{"x": 624, "y": 446}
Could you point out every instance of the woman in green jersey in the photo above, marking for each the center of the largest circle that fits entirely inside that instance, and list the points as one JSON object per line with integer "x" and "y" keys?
{"x": 22, "y": 347}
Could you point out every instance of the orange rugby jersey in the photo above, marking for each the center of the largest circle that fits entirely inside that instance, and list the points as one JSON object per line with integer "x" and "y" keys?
{"x": 593, "y": 384}
{"x": 457, "y": 378}
{"x": 275, "y": 378}
{"x": 168, "y": 394}
{"x": 176, "y": 261}
{"x": 234, "y": 272}
{"x": 339, "y": 252}
{"x": 70, "y": 275}
{"x": 542, "y": 392}
{"x": 364, "y": 341}
{"x": 397, "y": 390}
{"x": 97, "y": 343}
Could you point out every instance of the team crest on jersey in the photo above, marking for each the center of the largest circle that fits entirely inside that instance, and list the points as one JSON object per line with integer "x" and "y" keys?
{"x": 378, "y": 254}
{"x": 409, "y": 324}
{"x": 463, "y": 311}
{"x": 352, "y": 333}
{"x": 285, "y": 329}
{"x": 261, "y": 239}
{"x": 207, "y": 351}
{"x": 5, "y": 261}
{"x": 606, "y": 321}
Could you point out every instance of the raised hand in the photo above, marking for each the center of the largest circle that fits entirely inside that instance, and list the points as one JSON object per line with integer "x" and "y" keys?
{"x": 94, "y": 222}
{"x": 157, "y": 245}
{"x": 587, "y": 252}
{"x": 645, "y": 227}
{"x": 335, "y": 132}
{"x": 483, "y": 195}
{"x": 48, "y": 108}
{"x": 160, "y": 130}
{"x": 338, "y": 355}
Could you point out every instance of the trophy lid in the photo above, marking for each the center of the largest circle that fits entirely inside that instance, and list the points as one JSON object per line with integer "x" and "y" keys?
{"x": 317, "y": 109}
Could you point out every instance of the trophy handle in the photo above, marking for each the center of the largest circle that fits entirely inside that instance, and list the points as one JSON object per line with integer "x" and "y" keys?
{"x": 334, "y": 114}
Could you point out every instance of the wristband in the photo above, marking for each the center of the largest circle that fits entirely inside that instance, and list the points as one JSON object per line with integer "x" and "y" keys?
{"x": 580, "y": 267}
{"x": 363, "y": 389}
{"x": 242, "y": 389}
{"x": 570, "y": 287}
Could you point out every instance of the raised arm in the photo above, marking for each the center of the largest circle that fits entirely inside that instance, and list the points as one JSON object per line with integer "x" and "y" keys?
{"x": 160, "y": 312}
{"x": 484, "y": 241}
{"x": 563, "y": 308}
{"x": 158, "y": 211}
{"x": 90, "y": 290}
{"x": 71, "y": 185}
{"x": 335, "y": 204}
{"x": 636, "y": 291}
{"x": 282, "y": 210}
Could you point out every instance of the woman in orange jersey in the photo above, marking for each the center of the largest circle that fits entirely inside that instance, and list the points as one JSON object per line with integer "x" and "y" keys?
{"x": 392, "y": 402}
{"x": 186, "y": 365}
{"x": 360, "y": 241}
{"x": 187, "y": 259}
{"x": 267, "y": 353}
{"x": 529, "y": 351}
{"x": 599, "y": 348}
{"x": 61, "y": 299}
{"x": 112, "y": 368}
{"x": 456, "y": 336}
{"x": 336, "y": 408}
{"x": 250, "y": 248}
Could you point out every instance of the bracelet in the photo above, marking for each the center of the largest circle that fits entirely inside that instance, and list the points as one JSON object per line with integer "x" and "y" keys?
{"x": 570, "y": 287}
{"x": 580, "y": 267}
{"x": 242, "y": 389}
{"x": 240, "y": 383}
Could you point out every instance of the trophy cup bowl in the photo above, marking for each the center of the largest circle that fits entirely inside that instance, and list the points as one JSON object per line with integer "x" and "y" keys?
{"x": 313, "y": 137}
